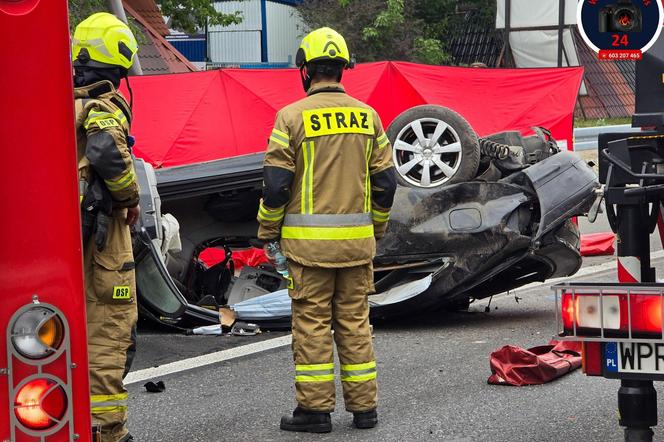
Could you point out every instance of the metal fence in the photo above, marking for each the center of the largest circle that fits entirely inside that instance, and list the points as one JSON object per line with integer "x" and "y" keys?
{"x": 243, "y": 65}
{"x": 585, "y": 138}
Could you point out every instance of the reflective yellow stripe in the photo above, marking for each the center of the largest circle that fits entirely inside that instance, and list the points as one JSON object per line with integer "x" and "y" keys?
{"x": 116, "y": 409}
{"x": 305, "y": 155}
{"x": 279, "y": 141}
{"x": 267, "y": 214}
{"x": 311, "y": 177}
{"x": 108, "y": 403}
{"x": 270, "y": 211}
{"x": 364, "y": 366}
{"x": 337, "y": 120}
{"x": 264, "y": 217}
{"x": 359, "y": 378}
{"x": 382, "y": 141}
{"x": 308, "y": 153}
{"x": 121, "y": 183}
{"x": 316, "y": 373}
{"x": 327, "y": 233}
{"x": 314, "y": 367}
{"x": 381, "y": 217}
{"x": 105, "y": 119}
{"x": 367, "y": 178}
{"x": 120, "y": 116}
{"x": 280, "y": 134}
{"x": 280, "y": 138}
{"x": 358, "y": 372}
{"x": 94, "y": 114}
{"x": 328, "y": 220}
{"x": 108, "y": 397}
{"x": 317, "y": 378}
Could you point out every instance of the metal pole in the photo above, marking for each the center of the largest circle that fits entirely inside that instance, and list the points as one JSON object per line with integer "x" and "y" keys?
{"x": 264, "y": 54}
{"x": 118, "y": 10}
{"x": 207, "y": 43}
{"x": 637, "y": 399}
{"x": 561, "y": 27}
{"x": 508, "y": 25}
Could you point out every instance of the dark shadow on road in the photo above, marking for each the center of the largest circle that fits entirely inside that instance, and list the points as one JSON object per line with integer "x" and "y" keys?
{"x": 462, "y": 319}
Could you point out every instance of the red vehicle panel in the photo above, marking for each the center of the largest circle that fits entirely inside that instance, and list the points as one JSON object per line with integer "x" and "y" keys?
{"x": 43, "y": 355}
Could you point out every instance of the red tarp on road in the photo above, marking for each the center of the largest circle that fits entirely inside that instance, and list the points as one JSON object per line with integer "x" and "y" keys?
{"x": 201, "y": 116}
{"x": 595, "y": 244}
{"x": 512, "y": 365}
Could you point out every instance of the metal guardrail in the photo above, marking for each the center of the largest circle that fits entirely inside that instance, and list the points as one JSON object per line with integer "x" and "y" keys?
{"x": 585, "y": 138}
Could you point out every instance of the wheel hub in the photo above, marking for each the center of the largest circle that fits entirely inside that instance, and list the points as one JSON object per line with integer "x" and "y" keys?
{"x": 427, "y": 152}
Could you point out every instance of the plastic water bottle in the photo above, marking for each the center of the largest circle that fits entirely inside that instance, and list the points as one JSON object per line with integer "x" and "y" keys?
{"x": 275, "y": 255}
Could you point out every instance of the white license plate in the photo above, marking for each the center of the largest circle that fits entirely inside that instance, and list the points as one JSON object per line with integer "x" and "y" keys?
{"x": 634, "y": 357}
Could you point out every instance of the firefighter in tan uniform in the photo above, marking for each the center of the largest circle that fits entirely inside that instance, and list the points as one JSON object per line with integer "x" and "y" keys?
{"x": 103, "y": 50}
{"x": 329, "y": 185}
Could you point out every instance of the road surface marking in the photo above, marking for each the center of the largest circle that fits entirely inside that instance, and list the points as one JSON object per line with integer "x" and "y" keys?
{"x": 208, "y": 359}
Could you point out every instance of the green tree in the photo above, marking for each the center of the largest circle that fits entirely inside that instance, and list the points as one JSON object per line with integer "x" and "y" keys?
{"x": 186, "y": 15}
{"x": 190, "y": 15}
{"x": 374, "y": 29}
{"x": 412, "y": 30}
{"x": 80, "y": 9}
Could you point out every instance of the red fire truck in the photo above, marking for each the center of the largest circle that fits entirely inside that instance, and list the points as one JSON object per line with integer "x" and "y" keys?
{"x": 621, "y": 323}
{"x": 44, "y": 392}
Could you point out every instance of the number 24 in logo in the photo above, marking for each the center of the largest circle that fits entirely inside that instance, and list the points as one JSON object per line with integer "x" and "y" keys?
{"x": 619, "y": 40}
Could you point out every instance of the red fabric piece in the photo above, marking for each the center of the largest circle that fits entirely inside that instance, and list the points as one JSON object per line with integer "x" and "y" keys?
{"x": 595, "y": 244}
{"x": 200, "y": 116}
{"x": 249, "y": 257}
{"x": 211, "y": 257}
{"x": 512, "y": 365}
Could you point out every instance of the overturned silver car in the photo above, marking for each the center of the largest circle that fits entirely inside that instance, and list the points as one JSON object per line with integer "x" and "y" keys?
{"x": 472, "y": 218}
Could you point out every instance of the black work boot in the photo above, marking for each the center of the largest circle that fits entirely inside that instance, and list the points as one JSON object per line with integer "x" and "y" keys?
{"x": 365, "y": 419}
{"x": 307, "y": 421}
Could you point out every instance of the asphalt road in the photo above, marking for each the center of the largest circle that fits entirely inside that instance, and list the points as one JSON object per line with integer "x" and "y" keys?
{"x": 432, "y": 379}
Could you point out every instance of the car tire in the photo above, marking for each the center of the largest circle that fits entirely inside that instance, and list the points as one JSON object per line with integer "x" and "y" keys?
{"x": 423, "y": 162}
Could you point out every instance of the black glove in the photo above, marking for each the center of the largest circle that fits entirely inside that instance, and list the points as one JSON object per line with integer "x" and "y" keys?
{"x": 96, "y": 212}
{"x": 101, "y": 230}
{"x": 88, "y": 219}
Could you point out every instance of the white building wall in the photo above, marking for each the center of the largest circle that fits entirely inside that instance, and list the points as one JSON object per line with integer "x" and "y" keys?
{"x": 241, "y": 43}
{"x": 251, "y": 12}
{"x": 284, "y": 32}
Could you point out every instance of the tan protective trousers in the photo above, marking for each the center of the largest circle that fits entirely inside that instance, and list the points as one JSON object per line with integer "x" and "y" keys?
{"x": 324, "y": 299}
{"x": 110, "y": 287}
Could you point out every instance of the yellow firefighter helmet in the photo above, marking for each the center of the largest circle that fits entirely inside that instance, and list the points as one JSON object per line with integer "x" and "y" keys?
{"x": 103, "y": 38}
{"x": 323, "y": 44}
